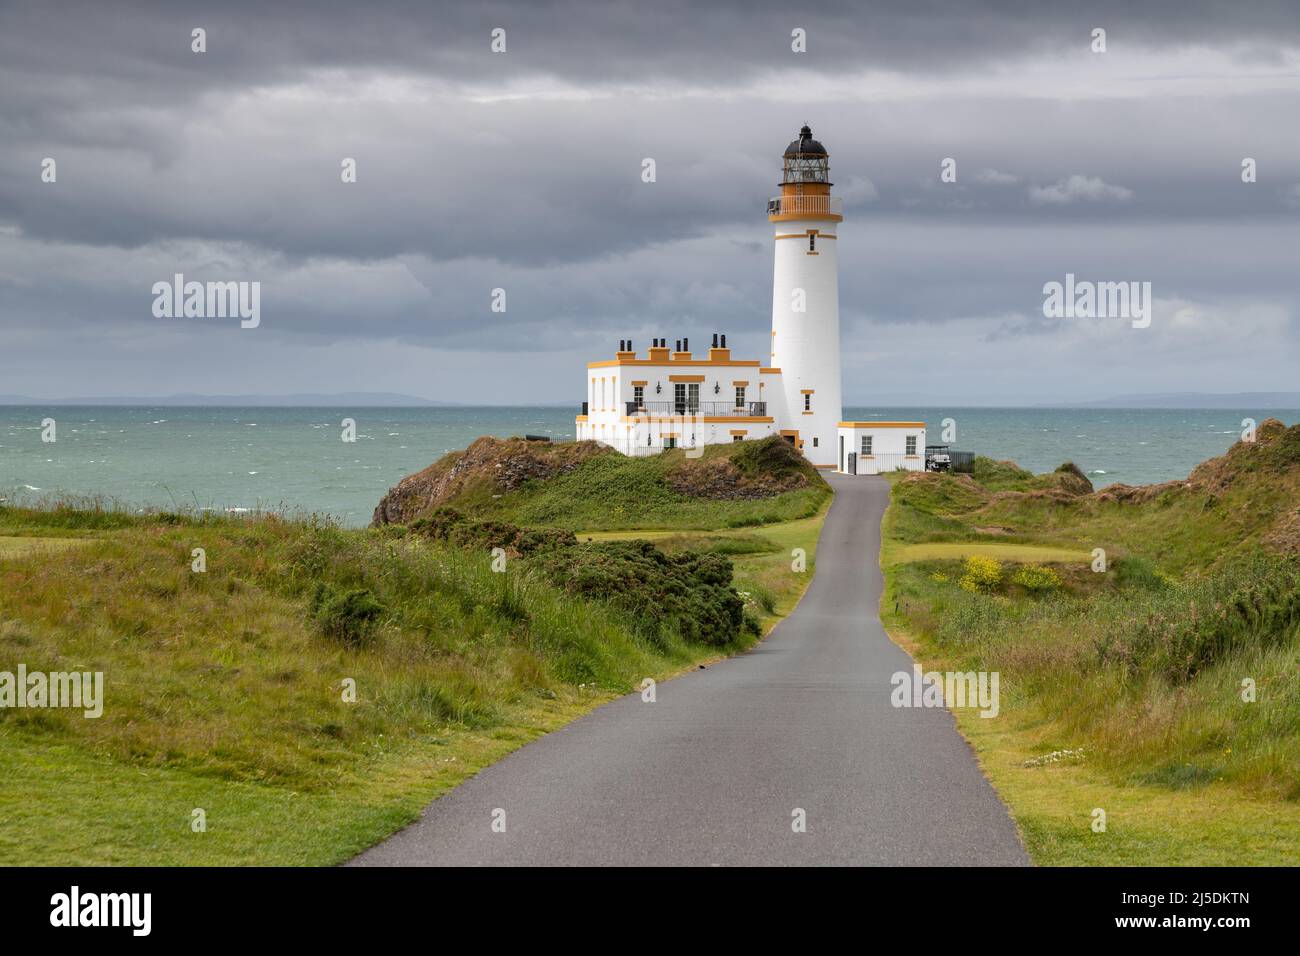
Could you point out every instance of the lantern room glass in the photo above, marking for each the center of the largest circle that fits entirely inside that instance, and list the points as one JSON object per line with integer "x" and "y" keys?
{"x": 806, "y": 168}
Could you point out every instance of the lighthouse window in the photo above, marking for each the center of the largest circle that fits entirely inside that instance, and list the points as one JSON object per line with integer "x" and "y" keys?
{"x": 638, "y": 395}
{"x": 812, "y": 242}
{"x": 807, "y": 402}
{"x": 740, "y": 396}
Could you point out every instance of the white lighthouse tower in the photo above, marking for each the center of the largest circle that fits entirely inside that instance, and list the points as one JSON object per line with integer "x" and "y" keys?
{"x": 806, "y": 300}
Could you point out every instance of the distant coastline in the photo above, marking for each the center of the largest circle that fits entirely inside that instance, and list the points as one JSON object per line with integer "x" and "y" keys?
{"x": 299, "y": 400}
{"x": 1192, "y": 400}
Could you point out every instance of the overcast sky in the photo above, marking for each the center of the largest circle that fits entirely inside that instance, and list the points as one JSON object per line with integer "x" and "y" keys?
{"x": 522, "y": 170}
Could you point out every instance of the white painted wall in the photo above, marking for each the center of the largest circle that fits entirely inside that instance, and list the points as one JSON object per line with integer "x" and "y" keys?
{"x": 806, "y": 345}
{"x": 607, "y": 405}
{"x": 888, "y": 448}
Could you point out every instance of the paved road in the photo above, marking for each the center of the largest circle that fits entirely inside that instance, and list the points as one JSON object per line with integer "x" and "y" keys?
{"x": 711, "y": 772}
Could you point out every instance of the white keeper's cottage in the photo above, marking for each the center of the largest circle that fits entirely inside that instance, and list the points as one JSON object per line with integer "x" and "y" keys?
{"x": 672, "y": 398}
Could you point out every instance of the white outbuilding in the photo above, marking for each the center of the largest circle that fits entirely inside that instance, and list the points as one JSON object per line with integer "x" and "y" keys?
{"x": 871, "y": 448}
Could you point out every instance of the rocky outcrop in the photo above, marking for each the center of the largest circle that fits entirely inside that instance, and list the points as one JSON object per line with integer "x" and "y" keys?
{"x": 498, "y": 465}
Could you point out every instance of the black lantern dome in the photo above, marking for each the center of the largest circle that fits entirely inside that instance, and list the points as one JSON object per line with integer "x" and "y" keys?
{"x": 806, "y": 161}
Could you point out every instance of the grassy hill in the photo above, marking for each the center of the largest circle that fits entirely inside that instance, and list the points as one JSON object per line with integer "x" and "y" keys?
{"x": 226, "y": 690}
{"x": 584, "y": 486}
{"x": 1122, "y": 687}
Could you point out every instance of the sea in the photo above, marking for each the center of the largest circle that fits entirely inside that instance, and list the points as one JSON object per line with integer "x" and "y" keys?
{"x": 294, "y": 461}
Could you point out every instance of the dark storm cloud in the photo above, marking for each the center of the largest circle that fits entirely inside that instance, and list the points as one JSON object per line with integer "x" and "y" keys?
{"x": 522, "y": 170}
{"x": 606, "y": 43}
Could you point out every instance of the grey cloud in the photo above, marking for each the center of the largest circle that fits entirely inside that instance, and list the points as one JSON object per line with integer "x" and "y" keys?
{"x": 226, "y": 165}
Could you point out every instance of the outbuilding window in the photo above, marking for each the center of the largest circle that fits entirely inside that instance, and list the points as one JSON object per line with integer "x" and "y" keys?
{"x": 911, "y": 444}
{"x": 866, "y": 444}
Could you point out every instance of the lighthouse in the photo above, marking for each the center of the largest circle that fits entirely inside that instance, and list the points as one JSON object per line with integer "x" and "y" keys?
{"x": 674, "y": 398}
{"x": 806, "y": 299}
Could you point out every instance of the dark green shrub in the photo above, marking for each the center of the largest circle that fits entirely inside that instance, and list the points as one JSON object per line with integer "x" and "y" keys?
{"x": 448, "y": 524}
{"x": 530, "y": 540}
{"x": 346, "y": 616}
{"x": 688, "y": 593}
{"x": 438, "y": 523}
{"x": 1139, "y": 573}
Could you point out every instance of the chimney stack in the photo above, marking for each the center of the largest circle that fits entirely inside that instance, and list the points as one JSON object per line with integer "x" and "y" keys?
{"x": 719, "y": 353}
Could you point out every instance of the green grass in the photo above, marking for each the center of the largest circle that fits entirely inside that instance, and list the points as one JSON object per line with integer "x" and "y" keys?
{"x": 1147, "y": 824}
{"x": 12, "y": 546}
{"x": 64, "y": 804}
{"x": 610, "y": 492}
{"x": 223, "y": 693}
{"x": 1135, "y": 671}
{"x": 907, "y": 553}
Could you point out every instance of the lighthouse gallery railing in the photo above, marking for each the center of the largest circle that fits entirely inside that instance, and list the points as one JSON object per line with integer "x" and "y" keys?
{"x": 795, "y": 205}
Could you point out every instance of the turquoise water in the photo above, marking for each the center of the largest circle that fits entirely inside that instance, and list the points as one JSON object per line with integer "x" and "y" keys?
{"x": 293, "y": 459}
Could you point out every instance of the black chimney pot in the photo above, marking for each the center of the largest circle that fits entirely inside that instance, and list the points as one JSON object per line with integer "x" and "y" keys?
{"x": 724, "y": 340}
{"x": 715, "y": 340}
{"x": 686, "y": 345}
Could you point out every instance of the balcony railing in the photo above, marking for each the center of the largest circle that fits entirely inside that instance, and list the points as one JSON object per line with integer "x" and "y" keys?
{"x": 801, "y": 205}
{"x": 702, "y": 409}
